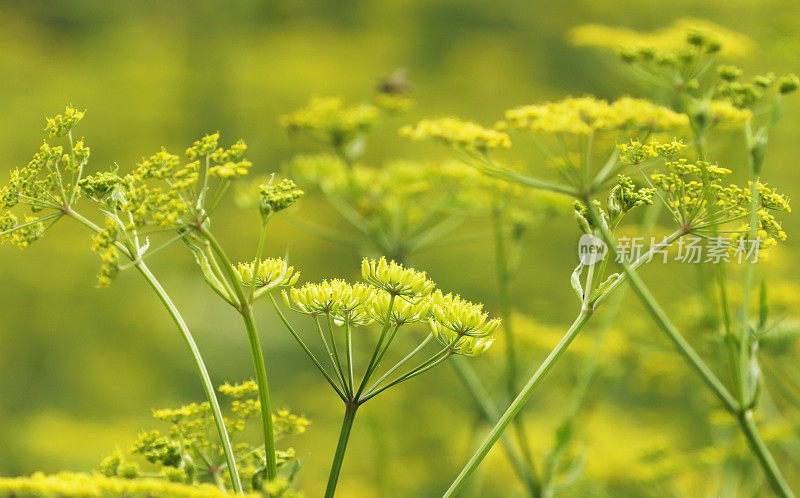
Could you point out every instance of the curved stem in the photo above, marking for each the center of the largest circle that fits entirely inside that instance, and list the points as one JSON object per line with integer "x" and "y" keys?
{"x": 246, "y": 310}
{"x": 518, "y": 403}
{"x": 341, "y": 448}
{"x": 208, "y": 387}
{"x": 763, "y": 454}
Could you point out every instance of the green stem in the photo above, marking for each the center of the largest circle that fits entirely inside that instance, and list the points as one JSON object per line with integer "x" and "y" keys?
{"x": 503, "y": 284}
{"x": 208, "y": 387}
{"x": 489, "y": 411}
{"x": 518, "y": 403}
{"x": 776, "y": 479}
{"x": 743, "y": 416}
{"x": 341, "y": 447}
{"x": 246, "y": 310}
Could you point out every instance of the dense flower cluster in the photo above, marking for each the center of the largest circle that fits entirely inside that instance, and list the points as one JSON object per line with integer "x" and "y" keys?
{"x": 272, "y": 272}
{"x": 461, "y": 325}
{"x": 584, "y": 115}
{"x": 395, "y": 279}
{"x": 186, "y": 454}
{"x": 331, "y": 119}
{"x": 457, "y": 133}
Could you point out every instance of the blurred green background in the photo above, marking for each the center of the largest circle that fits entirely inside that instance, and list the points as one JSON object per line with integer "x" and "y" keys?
{"x": 80, "y": 368}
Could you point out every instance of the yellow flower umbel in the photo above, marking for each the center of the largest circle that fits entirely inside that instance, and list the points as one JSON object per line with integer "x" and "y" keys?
{"x": 331, "y": 120}
{"x": 457, "y": 133}
{"x": 584, "y": 115}
{"x": 395, "y": 279}
{"x": 461, "y": 325}
{"x": 269, "y": 273}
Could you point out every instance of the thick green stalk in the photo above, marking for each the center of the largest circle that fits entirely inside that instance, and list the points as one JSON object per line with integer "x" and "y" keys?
{"x": 205, "y": 380}
{"x": 518, "y": 403}
{"x": 246, "y": 310}
{"x": 341, "y": 447}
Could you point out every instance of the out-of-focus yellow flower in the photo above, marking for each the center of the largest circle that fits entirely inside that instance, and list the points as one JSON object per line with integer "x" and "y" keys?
{"x": 584, "y": 115}
{"x": 673, "y": 37}
{"x": 458, "y": 133}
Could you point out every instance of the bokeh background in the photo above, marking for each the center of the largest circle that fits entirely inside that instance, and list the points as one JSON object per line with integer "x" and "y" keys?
{"x": 81, "y": 368}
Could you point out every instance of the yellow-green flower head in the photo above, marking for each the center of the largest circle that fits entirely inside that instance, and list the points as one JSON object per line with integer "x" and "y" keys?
{"x": 273, "y": 272}
{"x": 203, "y": 147}
{"x": 395, "y": 279}
{"x": 457, "y": 133}
{"x": 176, "y": 414}
{"x": 335, "y": 297}
{"x": 455, "y": 317}
{"x": 100, "y": 185}
{"x": 584, "y": 115}
{"x": 275, "y": 197}
{"x": 240, "y": 390}
{"x": 724, "y": 113}
{"x": 635, "y": 152}
{"x": 696, "y": 32}
{"x": 402, "y": 311}
{"x": 330, "y": 119}
{"x": 61, "y": 124}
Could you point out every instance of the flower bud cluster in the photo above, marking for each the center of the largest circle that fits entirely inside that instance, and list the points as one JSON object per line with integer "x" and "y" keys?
{"x": 395, "y": 279}
{"x": 276, "y": 197}
{"x": 273, "y": 272}
{"x": 460, "y": 324}
{"x": 61, "y": 125}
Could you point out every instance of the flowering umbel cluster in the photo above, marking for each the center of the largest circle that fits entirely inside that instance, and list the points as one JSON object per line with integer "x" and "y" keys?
{"x": 163, "y": 193}
{"x": 698, "y": 199}
{"x": 46, "y": 183}
{"x": 584, "y": 115}
{"x": 185, "y": 452}
{"x": 457, "y": 133}
{"x": 394, "y": 297}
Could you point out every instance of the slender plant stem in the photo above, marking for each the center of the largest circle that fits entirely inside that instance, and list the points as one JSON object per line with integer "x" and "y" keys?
{"x": 504, "y": 284}
{"x": 246, "y": 310}
{"x": 205, "y": 379}
{"x": 776, "y": 479}
{"x": 341, "y": 447}
{"x": 490, "y": 414}
{"x": 518, "y": 403}
{"x": 743, "y": 416}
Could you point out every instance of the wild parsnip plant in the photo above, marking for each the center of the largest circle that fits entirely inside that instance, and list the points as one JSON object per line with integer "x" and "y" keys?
{"x": 163, "y": 199}
{"x": 406, "y": 207}
{"x": 690, "y": 189}
{"x": 624, "y": 166}
{"x": 393, "y": 299}
{"x": 188, "y": 453}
